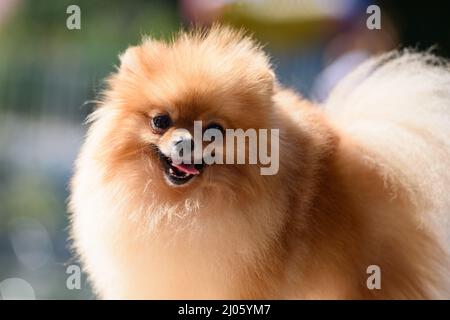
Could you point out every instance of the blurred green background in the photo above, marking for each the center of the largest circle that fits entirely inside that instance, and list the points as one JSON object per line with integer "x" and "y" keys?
{"x": 49, "y": 76}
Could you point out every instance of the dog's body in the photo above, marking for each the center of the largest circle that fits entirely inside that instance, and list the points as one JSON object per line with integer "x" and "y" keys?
{"x": 363, "y": 182}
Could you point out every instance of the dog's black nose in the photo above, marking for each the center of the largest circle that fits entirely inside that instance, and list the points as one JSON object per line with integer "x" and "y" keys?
{"x": 183, "y": 143}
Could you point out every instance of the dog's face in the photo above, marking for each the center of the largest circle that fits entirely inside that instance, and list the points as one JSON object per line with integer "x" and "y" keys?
{"x": 219, "y": 78}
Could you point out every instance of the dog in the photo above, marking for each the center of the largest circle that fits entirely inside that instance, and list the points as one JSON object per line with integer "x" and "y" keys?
{"x": 363, "y": 180}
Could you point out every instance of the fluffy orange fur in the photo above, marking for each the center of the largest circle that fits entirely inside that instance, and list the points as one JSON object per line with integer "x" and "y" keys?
{"x": 336, "y": 206}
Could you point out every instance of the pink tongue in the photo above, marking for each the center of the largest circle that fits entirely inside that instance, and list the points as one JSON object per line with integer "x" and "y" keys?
{"x": 186, "y": 168}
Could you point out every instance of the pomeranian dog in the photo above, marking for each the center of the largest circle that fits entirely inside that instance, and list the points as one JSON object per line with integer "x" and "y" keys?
{"x": 358, "y": 208}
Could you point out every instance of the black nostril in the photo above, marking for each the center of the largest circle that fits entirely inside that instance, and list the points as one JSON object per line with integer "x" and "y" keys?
{"x": 179, "y": 140}
{"x": 182, "y": 143}
{"x": 185, "y": 142}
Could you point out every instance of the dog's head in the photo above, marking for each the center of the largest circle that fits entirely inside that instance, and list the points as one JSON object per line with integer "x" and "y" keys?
{"x": 163, "y": 92}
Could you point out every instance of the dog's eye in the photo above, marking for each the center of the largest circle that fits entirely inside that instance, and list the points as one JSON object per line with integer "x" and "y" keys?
{"x": 215, "y": 126}
{"x": 161, "y": 122}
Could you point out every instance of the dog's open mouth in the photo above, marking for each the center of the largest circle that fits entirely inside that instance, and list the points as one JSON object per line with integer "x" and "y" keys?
{"x": 179, "y": 174}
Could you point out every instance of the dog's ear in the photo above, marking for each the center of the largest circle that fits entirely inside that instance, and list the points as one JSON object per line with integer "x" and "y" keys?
{"x": 129, "y": 60}
{"x": 142, "y": 57}
{"x": 137, "y": 64}
{"x": 268, "y": 79}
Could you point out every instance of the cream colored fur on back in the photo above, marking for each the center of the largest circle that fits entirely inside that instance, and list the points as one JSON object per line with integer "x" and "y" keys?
{"x": 398, "y": 107}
